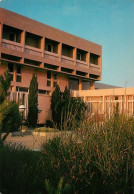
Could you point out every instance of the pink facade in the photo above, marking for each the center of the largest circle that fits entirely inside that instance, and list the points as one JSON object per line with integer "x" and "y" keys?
{"x": 56, "y": 57}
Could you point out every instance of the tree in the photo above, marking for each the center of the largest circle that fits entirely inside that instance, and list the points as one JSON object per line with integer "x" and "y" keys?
{"x": 66, "y": 110}
{"x": 9, "y": 112}
{"x": 5, "y": 81}
{"x": 56, "y": 106}
{"x": 10, "y": 119}
{"x": 33, "y": 102}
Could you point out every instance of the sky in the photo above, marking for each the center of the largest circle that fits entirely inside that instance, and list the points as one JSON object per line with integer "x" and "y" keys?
{"x": 109, "y": 23}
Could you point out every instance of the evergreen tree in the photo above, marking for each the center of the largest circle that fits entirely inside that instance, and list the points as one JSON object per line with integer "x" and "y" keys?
{"x": 5, "y": 81}
{"x": 56, "y": 106}
{"x": 33, "y": 102}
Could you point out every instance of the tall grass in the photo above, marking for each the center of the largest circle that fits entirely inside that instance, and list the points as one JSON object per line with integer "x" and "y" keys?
{"x": 97, "y": 158}
{"x": 94, "y": 158}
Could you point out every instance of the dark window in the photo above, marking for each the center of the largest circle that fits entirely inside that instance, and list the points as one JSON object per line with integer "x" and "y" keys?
{"x": 48, "y": 74}
{"x": 50, "y": 48}
{"x": 73, "y": 84}
{"x": 48, "y": 83}
{"x": 18, "y": 78}
{"x": 116, "y": 97}
{"x": 21, "y": 89}
{"x": 78, "y": 56}
{"x": 55, "y": 76}
{"x": 10, "y": 67}
{"x": 12, "y": 37}
{"x": 18, "y": 69}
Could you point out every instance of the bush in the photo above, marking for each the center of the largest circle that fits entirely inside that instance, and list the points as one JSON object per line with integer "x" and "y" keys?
{"x": 45, "y": 129}
{"x": 97, "y": 158}
{"x": 10, "y": 119}
{"x": 21, "y": 170}
{"x": 67, "y": 112}
{"x": 49, "y": 124}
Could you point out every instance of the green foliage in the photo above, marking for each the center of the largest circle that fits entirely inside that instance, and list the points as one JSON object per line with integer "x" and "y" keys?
{"x": 66, "y": 111}
{"x": 49, "y": 123}
{"x": 97, "y": 158}
{"x": 45, "y": 129}
{"x": 61, "y": 189}
{"x": 56, "y": 106}
{"x": 5, "y": 81}
{"x": 9, "y": 114}
{"x": 9, "y": 118}
{"x": 21, "y": 170}
{"x": 33, "y": 102}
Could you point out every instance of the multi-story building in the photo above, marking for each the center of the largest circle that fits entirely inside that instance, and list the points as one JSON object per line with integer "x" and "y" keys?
{"x": 56, "y": 57}
{"x": 28, "y": 47}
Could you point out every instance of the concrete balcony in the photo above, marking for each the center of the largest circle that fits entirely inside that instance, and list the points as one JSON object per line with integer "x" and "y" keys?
{"x": 82, "y": 64}
{"x": 51, "y": 56}
{"x": 11, "y": 45}
{"x": 33, "y": 51}
{"x": 67, "y": 62}
{"x": 95, "y": 69}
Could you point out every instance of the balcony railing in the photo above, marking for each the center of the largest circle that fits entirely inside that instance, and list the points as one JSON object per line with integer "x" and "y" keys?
{"x": 95, "y": 69}
{"x": 82, "y": 64}
{"x": 67, "y": 61}
{"x": 33, "y": 51}
{"x": 11, "y": 45}
{"x": 51, "y": 56}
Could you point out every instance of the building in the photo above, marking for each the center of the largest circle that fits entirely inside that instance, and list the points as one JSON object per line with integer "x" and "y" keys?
{"x": 56, "y": 57}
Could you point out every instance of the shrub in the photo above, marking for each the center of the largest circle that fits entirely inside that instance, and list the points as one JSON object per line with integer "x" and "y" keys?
{"x": 33, "y": 102}
{"x": 5, "y": 81}
{"x": 97, "y": 158}
{"x": 21, "y": 170}
{"x": 49, "y": 124}
{"x": 10, "y": 119}
{"x": 66, "y": 111}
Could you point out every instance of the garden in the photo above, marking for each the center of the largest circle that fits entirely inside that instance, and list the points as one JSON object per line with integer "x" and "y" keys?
{"x": 95, "y": 157}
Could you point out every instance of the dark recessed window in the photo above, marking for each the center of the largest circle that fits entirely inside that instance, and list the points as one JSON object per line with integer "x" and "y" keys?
{"x": 12, "y": 37}
{"x": 19, "y": 69}
{"x": 18, "y": 78}
{"x": 48, "y": 74}
{"x": 48, "y": 83}
{"x": 10, "y": 67}
{"x": 79, "y": 56}
{"x": 50, "y": 48}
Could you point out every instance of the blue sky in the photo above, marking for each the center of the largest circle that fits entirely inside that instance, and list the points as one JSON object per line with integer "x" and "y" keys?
{"x": 106, "y": 22}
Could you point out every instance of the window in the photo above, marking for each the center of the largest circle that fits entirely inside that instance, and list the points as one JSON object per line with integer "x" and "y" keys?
{"x": 55, "y": 79}
{"x": 11, "y": 69}
{"x": 52, "y": 79}
{"x": 49, "y": 78}
{"x": 50, "y": 47}
{"x": 43, "y": 92}
{"x": 18, "y": 73}
{"x": 12, "y": 37}
{"x": 79, "y": 56}
{"x": 21, "y": 89}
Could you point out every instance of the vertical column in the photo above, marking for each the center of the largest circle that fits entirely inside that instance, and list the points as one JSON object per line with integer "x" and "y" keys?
{"x": 1, "y": 29}
{"x": 42, "y": 45}
{"x": 80, "y": 84}
{"x": 59, "y": 53}
{"x": 103, "y": 106}
{"x": 23, "y": 35}
{"x": 74, "y": 55}
{"x": 87, "y": 58}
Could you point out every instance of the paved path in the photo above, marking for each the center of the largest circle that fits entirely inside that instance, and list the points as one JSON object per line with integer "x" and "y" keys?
{"x": 30, "y": 141}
